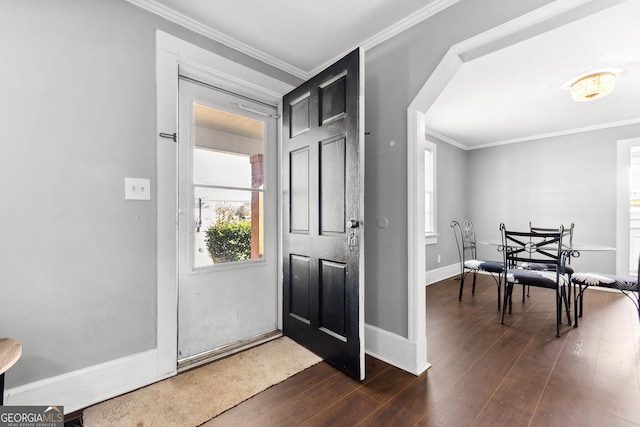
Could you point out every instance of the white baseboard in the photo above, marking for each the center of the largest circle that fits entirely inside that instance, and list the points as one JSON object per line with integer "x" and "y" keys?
{"x": 398, "y": 350}
{"x": 435, "y": 275}
{"x": 393, "y": 349}
{"x": 85, "y": 387}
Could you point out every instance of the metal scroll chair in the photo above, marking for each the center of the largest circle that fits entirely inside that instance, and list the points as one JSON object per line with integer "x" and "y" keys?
{"x": 627, "y": 285}
{"x": 466, "y": 242}
{"x": 568, "y": 270}
{"x": 538, "y": 247}
{"x": 568, "y": 232}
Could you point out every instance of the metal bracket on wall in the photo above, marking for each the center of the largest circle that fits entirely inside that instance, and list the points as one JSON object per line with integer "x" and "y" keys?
{"x": 170, "y": 135}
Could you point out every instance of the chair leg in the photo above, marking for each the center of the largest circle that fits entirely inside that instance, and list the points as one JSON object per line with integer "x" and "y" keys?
{"x": 508, "y": 288}
{"x": 499, "y": 283}
{"x": 504, "y": 302}
{"x": 510, "y": 298}
{"x": 567, "y": 305}
{"x": 558, "y": 315}
{"x": 461, "y": 286}
{"x": 559, "y": 297}
{"x": 473, "y": 288}
{"x": 2, "y": 389}
{"x": 575, "y": 308}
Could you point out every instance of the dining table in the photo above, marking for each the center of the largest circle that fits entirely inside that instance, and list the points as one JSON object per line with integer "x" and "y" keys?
{"x": 570, "y": 251}
{"x": 573, "y": 250}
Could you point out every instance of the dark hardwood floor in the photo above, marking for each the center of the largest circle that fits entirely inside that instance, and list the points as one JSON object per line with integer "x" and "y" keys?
{"x": 482, "y": 373}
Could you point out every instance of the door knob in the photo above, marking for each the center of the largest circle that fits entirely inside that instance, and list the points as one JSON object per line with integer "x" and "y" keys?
{"x": 353, "y": 223}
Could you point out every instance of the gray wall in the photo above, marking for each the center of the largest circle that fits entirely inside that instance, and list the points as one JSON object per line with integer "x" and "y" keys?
{"x": 77, "y": 113}
{"x": 394, "y": 73}
{"x": 552, "y": 181}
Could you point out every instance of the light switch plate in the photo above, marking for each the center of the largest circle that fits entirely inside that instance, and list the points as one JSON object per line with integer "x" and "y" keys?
{"x": 137, "y": 189}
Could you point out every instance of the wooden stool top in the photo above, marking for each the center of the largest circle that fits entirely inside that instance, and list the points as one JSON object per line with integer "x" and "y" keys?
{"x": 10, "y": 352}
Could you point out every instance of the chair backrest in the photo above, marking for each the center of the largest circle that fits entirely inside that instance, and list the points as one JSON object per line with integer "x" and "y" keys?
{"x": 568, "y": 231}
{"x": 465, "y": 239}
{"x": 544, "y": 247}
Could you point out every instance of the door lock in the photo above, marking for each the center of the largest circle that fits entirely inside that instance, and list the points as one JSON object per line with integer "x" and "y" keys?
{"x": 353, "y": 223}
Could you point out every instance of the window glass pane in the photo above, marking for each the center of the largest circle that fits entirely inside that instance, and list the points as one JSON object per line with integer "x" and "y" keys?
{"x": 634, "y": 210}
{"x": 221, "y": 169}
{"x": 429, "y": 202}
{"x": 428, "y": 217}
{"x": 229, "y": 148}
{"x": 228, "y": 226}
{"x": 228, "y": 152}
{"x": 428, "y": 170}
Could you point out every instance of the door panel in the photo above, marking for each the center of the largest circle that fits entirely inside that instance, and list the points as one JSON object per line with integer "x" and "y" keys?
{"x": 323, "y": 296}
{"x": 333, "y": 285}
{"x": 299, "y": 191}
{"x": 227, "y": 167}
{"x": 332, "y": 185}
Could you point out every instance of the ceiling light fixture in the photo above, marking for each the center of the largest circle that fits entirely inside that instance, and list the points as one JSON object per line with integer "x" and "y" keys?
{"x": 593, "y": 86}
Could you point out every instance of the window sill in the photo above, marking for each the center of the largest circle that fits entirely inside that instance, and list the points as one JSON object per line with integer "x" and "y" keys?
{"x": 431, "y": 239}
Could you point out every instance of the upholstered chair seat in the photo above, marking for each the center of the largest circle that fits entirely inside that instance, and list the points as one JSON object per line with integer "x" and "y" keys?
{"x": 582, "y": 280}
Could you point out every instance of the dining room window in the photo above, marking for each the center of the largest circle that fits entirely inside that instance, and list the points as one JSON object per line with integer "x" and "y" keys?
{"x": 628, "y": 200}
{"x": 430, "y": 191}
{"x": 634, "y": 209}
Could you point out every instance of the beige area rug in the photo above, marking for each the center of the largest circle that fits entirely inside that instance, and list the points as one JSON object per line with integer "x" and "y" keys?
{"x": 194, "y": 397}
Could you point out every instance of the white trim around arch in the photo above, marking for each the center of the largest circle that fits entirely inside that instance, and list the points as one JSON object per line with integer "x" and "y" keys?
{"x": 416, "y": 136}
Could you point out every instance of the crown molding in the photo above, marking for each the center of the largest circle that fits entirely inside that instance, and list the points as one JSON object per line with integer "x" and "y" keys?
{"x": 205, "y": 30}
{"x": 558, "y": 133}
{"x": 408, "y": 22}
{"x": 466, "y": 147}
{"x": 392, "y": 30}
{"x": 446, "y": 139}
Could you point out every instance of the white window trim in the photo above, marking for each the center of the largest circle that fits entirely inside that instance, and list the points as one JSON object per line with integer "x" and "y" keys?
{"x": 431, "y": 239}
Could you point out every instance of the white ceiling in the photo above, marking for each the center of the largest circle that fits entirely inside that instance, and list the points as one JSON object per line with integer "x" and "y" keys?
{"x": 519, "y": 93}
{"x": 301, "y": 37}
{"x": 513, "y": 94}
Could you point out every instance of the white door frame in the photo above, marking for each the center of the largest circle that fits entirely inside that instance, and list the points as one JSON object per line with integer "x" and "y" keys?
{"x": 172, "y": 53}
